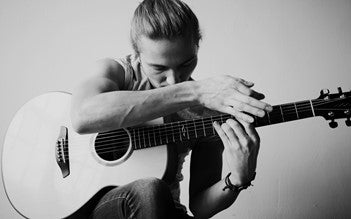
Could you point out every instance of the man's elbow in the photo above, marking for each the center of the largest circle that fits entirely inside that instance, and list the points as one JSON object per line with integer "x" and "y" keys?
{"x": 79, "y": 125}
{"x": 80, "y": 120}
{"x": 197, "y": 212}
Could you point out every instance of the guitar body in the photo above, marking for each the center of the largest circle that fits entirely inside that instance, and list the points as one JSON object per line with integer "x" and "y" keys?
{"x": 50, "y": 171}
{"x": 38, "y": 187}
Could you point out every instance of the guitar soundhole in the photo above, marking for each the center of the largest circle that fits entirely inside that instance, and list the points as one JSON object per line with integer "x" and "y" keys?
{"x": 112, "y": 145}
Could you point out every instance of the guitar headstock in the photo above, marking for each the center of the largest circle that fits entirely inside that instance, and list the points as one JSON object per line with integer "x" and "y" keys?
{"x": 333, "y": 106}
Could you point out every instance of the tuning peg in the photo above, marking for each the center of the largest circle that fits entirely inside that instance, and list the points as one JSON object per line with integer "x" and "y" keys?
{"x": 342, "y": 95}
{"x": 339, "y": 90}
{"x": 325, "y": 92}
{"x": 348, "y": 114}
{"x": 348, "y": 122}
{"x": 333, "y": 124}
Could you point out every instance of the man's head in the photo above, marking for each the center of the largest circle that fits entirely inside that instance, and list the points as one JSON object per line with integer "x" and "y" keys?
{"x": 164, "y": 19}
{"x": 165, "y": 36}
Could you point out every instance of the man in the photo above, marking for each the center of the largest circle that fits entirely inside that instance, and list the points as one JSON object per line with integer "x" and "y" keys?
{"x": 156, "y": 82}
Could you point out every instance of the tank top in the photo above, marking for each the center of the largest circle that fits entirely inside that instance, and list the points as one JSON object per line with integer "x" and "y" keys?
{"x": 136, "y": 79}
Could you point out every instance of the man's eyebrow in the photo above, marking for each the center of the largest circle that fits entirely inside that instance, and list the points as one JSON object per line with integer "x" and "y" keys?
{"x": 186, "y": 61}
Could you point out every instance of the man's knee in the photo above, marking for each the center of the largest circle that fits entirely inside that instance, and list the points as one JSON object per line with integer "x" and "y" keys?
{"x": 153, "y": 187}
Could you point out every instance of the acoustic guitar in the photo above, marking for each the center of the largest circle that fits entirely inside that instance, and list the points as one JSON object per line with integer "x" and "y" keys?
{"x": 50, "y": 171}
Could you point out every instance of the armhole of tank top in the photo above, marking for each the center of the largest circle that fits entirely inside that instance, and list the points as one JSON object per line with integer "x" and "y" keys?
{"x": 128, "y": 71}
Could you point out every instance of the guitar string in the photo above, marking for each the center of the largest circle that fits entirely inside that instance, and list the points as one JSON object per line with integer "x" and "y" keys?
{"x": 214, "y": 118}
{"x": 173, "y": 130}
{"x": 125, "y": 149}
{"x": 179, "y": 124}
{"x": 200, "y": 121}
{"x": 176, "y": 132}
{"x": 166, "y": 129}
{"x": 118, "y": 148}
{"x": 278, "y": 114}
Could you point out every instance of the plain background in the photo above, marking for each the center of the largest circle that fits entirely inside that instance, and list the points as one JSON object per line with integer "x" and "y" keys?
{"x": 290, "y": 49}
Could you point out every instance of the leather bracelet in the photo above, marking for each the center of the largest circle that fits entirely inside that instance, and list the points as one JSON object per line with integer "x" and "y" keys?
{"x": 229, "y": 185}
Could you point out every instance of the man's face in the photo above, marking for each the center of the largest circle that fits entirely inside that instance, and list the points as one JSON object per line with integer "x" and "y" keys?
{"x": 167, "y": 62}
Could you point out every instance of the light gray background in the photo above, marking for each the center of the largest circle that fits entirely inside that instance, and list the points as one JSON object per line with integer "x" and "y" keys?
{"x": 290, "y": 49}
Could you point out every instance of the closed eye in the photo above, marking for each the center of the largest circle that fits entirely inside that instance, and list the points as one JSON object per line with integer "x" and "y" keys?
{"x": 159, "y": 67}
{"x": 189, "y": 62}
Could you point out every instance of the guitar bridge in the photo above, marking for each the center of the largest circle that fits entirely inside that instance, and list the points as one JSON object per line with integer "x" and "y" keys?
{"x": 61, "y": 151}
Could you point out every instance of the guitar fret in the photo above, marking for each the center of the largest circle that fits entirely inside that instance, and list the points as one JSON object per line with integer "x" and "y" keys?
{"x": 203, "y": 126}
{"x": 148, "y": 135}
{"x": 312, "y": 108}
{"x": 256, "y": 121}
{"x": 153, "y": 129}
{"x": 195, "y": 128}
{"x": 297, "y": 114}
{"x": 187, "y": 129}
{"x": 213, "y": 129}
{"x": 173, "y": 132}
{"x": 135, "y": 143}
{"x": 180, "y": 131}
{"x": 269, "y": 118}
{"x": 264, "y": 120}
{"x": 222, "y": 119}
{"x": 159, "y": 132}
{"x": 166, "y": 135}
{"x": 140, "y": 137}
{"x": 144, "y": 137}
{"x": 281, "y": 111}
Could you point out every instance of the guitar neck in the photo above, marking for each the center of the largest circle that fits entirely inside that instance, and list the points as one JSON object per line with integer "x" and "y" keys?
{"x": 287, "y": 112}
{"x": 149, "y": 136}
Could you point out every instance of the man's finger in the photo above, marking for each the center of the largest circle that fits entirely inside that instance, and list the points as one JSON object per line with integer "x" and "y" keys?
{"x": 232, "y": 136}
{"x": 251, "y": 131}
{"x": 237, "y": 114}
{"x": 221, "y": 133}
{"x": 252, "y": 101}
{"x": 243, "y": 107}
{"x": 239, "y": 132}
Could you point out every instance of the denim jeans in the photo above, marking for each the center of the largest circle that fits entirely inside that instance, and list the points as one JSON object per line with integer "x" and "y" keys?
{"x": 148, "y": 198}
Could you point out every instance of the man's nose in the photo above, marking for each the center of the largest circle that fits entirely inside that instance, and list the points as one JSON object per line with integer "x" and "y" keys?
{"x": 172, "y": 77}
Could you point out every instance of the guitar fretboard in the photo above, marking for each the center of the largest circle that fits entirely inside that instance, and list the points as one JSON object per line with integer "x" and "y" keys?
{"x": 150, "y": 136}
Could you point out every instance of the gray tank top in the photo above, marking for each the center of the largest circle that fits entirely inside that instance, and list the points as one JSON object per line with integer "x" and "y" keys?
{"x": 136, "y": 79}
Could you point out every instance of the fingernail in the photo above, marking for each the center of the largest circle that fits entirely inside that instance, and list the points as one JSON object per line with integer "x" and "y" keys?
{"x": 261, "y": 113}
{"x": 269, "y": 108}
{"x": 249, "y": 83}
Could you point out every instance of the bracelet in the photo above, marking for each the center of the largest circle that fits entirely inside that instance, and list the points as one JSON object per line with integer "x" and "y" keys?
{"x": 229, "y": 185}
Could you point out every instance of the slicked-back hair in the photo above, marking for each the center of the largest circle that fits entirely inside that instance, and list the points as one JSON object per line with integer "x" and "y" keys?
{"x": 164, "y": 19}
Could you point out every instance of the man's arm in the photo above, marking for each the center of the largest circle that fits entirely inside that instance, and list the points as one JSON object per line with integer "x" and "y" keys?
{"x": 207, "y": 197}
{"x": 241, "y": 145}
{"x": 99, "y": 104}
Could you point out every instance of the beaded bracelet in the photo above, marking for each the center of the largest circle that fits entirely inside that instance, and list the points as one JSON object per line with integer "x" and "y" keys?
{"x": 229, "y": 185}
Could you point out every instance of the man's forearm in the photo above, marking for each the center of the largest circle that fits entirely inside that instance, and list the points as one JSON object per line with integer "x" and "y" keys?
{"x": 116, "y": 109}
{"x": 209, "y": 202}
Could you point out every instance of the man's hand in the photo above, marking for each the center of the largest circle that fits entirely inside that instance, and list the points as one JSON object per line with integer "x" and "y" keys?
{"x": 241, "y": 146}
{"x": 233, "y": 96}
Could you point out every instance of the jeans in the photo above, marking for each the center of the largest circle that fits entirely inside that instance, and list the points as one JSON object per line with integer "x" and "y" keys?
{"x": 148, "y": 198}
